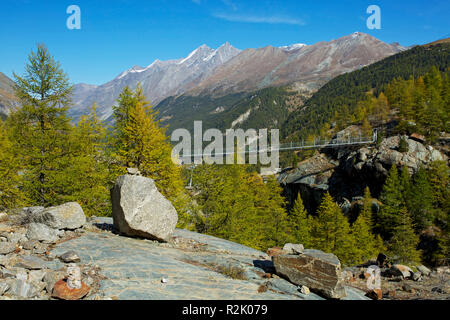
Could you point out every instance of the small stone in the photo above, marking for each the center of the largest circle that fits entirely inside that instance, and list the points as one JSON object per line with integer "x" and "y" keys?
{"x": 30, "y": 262}
{"x": 62, "y": 291}
{"x": 164, "y": 280}
{"x": 69, "y": 257}
{"x": 30, "y": 245}
{"x": 375, "y": 294}
{"x": 133, "y": 171}
{"x": 4, "y": 287}
{"x": 3, "y": 216}
{"x": 16, "y": 237}
{"x": 391, "y": 293}
{"x": 305, "y": 290}
{"x": 7, "y": 247}
{"x": 11, "y": 273}
{"x": 50, "y": 278}
{"x": 36, "y": 275}
{"x": 41, "y": 232}
{"x": 407, "y": 288}
{"x": 41, "y": 248}
{"x": 401, "y": 270}
{"x": 417, "y": 276}
{"x": 291, "y": 248}
{"x": 275, "y": 251}
{"x": 424, "y": 270}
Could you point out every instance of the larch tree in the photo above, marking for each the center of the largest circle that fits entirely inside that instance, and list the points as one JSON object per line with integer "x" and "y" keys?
{"x": 331, "y": 231}
{"x": 41, "y": 127}
{"x": 11, "y": 194}
{"x": 392, "y": 200}
{"x": 88, "y": 177}
{"x": 300, "y": 223}
{"x": 367, "y": 244}
{"x": 403, "y": 244}
{"x": 139, "y": 141}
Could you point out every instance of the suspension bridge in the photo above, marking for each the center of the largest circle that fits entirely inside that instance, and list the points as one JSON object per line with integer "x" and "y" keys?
{"x": 341, "y": 141}
{"x": 316, "y": 143}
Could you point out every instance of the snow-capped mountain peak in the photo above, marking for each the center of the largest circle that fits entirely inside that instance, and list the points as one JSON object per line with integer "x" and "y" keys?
{"x": 293, "y": 47}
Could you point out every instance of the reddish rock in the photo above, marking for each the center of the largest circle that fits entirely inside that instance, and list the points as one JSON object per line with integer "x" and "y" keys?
{"x": 275, "y": 251}
{"x": 418, "y": 137}
{"x": 375, "y": 294}
{"x": 62, "y": 291}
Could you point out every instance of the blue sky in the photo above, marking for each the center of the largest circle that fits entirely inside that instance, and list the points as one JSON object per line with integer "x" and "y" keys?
{"x": 117, "y": 34}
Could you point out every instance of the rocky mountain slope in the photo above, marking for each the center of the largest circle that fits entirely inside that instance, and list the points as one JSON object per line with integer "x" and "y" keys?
{"x": 309, "y": 65}
{"x": 207, "y": 74}
{"x": 159, "y": 80}
{"x": 7, "y": 99}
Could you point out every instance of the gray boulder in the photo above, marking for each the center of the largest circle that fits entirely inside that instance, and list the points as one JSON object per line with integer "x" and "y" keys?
{"x": 319, "y": 271}
{"x": 139, "y": 209}
{"x": 66, "y": 216}
{"x": 41, "y": 232}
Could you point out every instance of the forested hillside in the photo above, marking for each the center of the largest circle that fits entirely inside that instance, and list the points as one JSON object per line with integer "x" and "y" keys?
{"x": 343, "y": 93}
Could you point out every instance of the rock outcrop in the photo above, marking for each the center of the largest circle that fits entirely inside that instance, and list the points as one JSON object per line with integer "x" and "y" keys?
{"x": 319, "y": 271}
{"x": 139, "y": 209}
{"x": 345, "y": 172}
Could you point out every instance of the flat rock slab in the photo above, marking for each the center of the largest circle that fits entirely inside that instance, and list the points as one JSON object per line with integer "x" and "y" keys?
{"x": 29, "y": 262}
{"x": 135, "y": 268}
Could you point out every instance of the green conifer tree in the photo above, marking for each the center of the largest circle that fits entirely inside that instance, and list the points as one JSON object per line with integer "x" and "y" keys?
{"x": 88, "y": 177}
{"x": 11, "y": 195}
{"x": 403, "y": 245}
{"x": 367, "y": 245}
{"x": 420, "y": 204}
{"x": 331, "y": 232}
{"x": 392, "y": 200}
{"x": 140, "y": 142}
{"x": 300, "y": 224}
{"x": 41, "y": 128}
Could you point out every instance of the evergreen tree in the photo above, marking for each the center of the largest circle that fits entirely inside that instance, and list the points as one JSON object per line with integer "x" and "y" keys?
{"x": 300, "y": 224}
{"x": 331, "y": 231}
{"x": 392, "y": 199}
{"x": 403, "y": 245}
{"x": 420, "y": 204}
{"x": 88, "y": 178}
{"x": 140, "y": 142}
{"x": 41, "y": 127}
{"x": 367, "y": 245}
{"x": 11, "y": 195}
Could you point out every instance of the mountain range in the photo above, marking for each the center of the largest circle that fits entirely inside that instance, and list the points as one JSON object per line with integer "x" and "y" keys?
{"x": 8, "y": 101}
{"x": 216, "y": 73}
{"x": 212, "y": 80}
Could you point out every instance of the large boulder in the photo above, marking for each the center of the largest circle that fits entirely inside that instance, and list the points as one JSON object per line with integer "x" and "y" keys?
{"x": 67, "y": 216}
{"x": 139, "y": 209}
{"x": 319, "y": 271}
